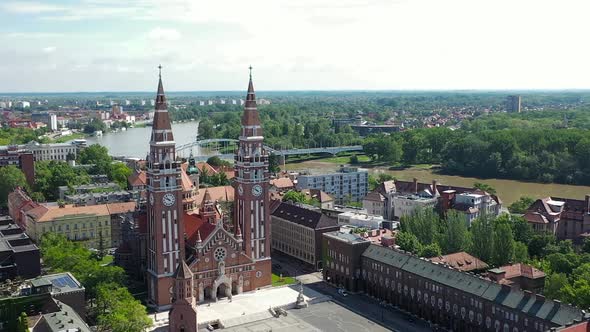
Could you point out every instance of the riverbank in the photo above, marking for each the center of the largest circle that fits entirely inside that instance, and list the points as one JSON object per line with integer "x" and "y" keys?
{"x": 508, "y": 190}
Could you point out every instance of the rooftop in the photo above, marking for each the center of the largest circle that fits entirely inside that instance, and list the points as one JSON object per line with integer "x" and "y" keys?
{"x": 533, "y": 305}
{"x": 302, "y": 216}
{"x": 346, "y": 237}
{"x": 461, "y": 261}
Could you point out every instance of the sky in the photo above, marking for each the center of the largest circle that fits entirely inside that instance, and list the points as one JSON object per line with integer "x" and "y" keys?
{"x": 204, "y": 45}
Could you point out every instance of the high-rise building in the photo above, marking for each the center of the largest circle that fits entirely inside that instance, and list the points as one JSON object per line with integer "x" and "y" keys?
{"x": 165, "y": 222}
{"x": 53, "y": 122}
{"x": 513, "y": 104}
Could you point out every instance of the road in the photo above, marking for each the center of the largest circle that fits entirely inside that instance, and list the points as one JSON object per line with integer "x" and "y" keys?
{"x": 372, "y": 309}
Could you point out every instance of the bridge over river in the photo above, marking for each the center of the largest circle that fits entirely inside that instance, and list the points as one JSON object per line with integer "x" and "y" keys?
{"x": 224, "y": 148}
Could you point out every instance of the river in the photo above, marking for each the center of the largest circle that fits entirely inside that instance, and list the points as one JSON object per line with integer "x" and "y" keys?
{"x": 508, "y": 190}
{"x": 134, "y": 142}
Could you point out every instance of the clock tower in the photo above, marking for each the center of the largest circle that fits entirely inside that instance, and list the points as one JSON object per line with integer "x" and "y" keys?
{"x": 165, "y": 242}
{"x": 251, "y": 207}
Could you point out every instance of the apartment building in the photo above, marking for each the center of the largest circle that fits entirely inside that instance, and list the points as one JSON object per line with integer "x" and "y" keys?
{"x": 348, "y": 184}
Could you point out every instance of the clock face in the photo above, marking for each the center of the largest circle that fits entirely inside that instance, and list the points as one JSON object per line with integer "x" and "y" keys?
{"x": 257, "y": 190}
{"x": 152, "y": 199}
{"x": 168, "y": 199}
{"x": 240, "y": 190}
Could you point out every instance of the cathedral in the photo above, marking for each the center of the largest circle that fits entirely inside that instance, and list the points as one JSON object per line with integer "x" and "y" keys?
{"x": 206, "y": 255}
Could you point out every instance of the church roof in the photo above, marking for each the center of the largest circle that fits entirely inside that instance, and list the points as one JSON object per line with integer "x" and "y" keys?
{"x": 183, "y": 271}
{"x": 161, "y": 117}
{"x": 194, "y": 224}
{"x": 250, "y": 116}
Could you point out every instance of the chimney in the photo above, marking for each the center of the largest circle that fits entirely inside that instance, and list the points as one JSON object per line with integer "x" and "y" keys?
{"x": 434, "y": 191}
{"x": 415, "y": 185}
{"x": 496, "y": 274}
{"x": 587, "y": 204}
{"x": 557, "y": 303}
{"x": 540, "y": 297}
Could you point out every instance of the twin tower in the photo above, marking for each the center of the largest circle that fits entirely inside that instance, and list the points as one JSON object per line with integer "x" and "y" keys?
{"x": 179, "y": 272}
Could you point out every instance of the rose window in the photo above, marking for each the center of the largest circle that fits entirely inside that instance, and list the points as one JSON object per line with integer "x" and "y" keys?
{"x": 219, "y": 254}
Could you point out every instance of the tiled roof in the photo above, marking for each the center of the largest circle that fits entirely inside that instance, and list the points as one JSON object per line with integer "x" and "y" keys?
{"x": 535, "y": 217}
{"x": 194, "y": 224}
{"x": 374, "y": 196}
{"x": 137, "y": 178}
{"x": 320, "y": 195}
{"x": 118, "y": 208}
{"x": 461, "y": 261}
{"x": 282, "y": 183}
{"x": 49, "y": 213}
{"x": 220, "y": 194}
{"x": 517, "y": 270}
{"x": 538, "y": 306}
{"x": 305, "y": 217}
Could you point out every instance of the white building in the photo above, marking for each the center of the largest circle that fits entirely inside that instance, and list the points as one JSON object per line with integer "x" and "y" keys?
{"x": 405, "y": 205}
{"x": 348, "y": 184}
{"x": 53, "y": 122}
{"x": 360, "y": 220}
{"x": 24, "y": 104}
{"x": 127, "y": 102}
{"x": 54, "y": 151}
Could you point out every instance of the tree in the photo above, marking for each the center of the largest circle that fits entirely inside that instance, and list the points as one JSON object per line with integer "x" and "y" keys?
{"x": 38, "y": 196}
{"x": 555, "y": 284}
{"x": 354, "y": 159}
{"x": 521, "y": 230}
{"x": 539, "y": 244}
{"x": 294, "y": 196}
{"x": 10, "y": 178}
{"x": 431, "y": 250}
{"x": 456, "y": 235}
{"x": 503, "y": 245}
{"x": 586, "y": 246}
{"x": 215, "y": 161}
{"x": 423, "y": 223}
{"x": 485, "y": 187}
{"x": 206, "y": 130}
{"x": 482, "y": 245}
{"x": 521, "y": 253}
{"x": 94, "y": 154}
{"x": 119, "y": 172}
{"x": 521, "y": 205}
{"x": 118, "y": 311}
{"x": 23, "y": 323}
{"x": 408, "y": 242}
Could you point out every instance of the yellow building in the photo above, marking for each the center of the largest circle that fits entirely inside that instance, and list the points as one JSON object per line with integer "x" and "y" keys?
{"x": 79, "y": 223}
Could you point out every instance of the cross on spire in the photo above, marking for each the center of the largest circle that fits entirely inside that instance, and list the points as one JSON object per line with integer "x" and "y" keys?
{"x": 250, "y": 71}
{"x": 160, "y": 70}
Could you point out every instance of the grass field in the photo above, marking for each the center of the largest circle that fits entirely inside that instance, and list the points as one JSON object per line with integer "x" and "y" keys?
{"x": 64, "y": 139}
{"x": 107, "y": 259}
{"x": 276, "y": 280}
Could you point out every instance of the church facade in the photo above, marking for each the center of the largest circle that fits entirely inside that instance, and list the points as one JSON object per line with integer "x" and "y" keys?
{"x": 226, "y": 253}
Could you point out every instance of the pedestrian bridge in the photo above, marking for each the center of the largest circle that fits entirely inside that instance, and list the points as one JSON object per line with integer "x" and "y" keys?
{"x": 224, "y": 148}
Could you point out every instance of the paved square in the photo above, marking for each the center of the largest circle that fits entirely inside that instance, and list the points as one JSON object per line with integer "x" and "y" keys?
{"x": 325, "y": 316}
{"x": 245, "y": 308}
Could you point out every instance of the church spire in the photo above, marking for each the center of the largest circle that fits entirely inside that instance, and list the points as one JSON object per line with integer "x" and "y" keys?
{"x": 250, "y": 117}
{"x": 161, "y": 129}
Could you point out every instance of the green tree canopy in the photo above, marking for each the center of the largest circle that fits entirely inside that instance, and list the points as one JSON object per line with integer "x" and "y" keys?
{"x": 408, "y": 242}
{"x": 294, "y": 196}
{"x": 482, "y": 232}
{"x": 521, "y": 205}
{"x": 456, "y": 235}
{"x": 10, "y": 178}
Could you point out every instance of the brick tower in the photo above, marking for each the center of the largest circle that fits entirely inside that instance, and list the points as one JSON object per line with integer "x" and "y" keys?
{"x": 251, "y": 207}
{"x": 183, "y": 315}
{"x": 164, "y": 208}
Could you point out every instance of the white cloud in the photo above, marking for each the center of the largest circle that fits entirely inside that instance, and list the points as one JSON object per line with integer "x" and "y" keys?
{"x": 49, "y": 49}
{"x": 32, "y": 35}
{"x": 164, "y": 34}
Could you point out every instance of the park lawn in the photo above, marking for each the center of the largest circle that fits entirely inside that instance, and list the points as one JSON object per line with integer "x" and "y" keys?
{"x": 107, "y": 259}
{"x": 345, "y": 159}
{"x": 286, "y": 280}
